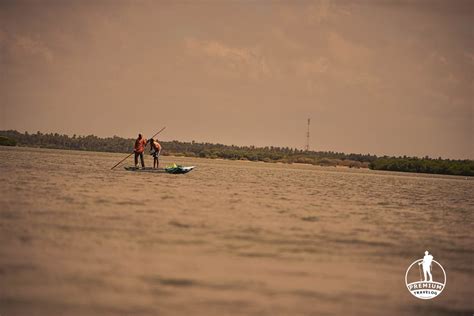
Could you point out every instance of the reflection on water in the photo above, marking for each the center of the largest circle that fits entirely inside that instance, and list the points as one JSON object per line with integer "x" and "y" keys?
{"x": 228, "y": 238}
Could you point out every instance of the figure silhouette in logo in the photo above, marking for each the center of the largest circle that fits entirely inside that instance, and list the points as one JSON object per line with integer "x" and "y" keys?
{"x": 427, "y": 260}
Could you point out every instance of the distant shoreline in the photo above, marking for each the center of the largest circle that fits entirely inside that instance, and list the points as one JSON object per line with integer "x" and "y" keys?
{"x": 180, "y": 155}
{"x": 245, "y": 153}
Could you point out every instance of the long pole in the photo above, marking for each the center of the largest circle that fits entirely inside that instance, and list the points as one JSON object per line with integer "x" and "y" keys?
{"x": 132, "y": 152}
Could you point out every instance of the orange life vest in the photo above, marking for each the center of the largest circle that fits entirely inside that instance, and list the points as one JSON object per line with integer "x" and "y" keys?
{"x": 140, "y": 145}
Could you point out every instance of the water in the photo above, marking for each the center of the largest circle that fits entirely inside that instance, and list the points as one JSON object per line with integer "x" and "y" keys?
{"x": 229, "y": 238}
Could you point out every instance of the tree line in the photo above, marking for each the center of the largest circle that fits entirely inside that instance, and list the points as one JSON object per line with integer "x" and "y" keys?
{"x": 424, "y": 165}
{"x": 251, "y": 153}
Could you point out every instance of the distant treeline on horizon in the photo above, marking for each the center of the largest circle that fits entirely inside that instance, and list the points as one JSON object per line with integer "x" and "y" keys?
{"x": 266, "y": 154}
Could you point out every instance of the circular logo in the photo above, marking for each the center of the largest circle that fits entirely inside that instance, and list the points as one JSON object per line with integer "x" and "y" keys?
{"x": 425, "y": 278}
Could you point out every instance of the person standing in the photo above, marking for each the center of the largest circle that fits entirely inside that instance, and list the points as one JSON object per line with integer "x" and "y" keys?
{"x": 155, "y": 151}
{"x": 138, "y": 149}
{"x": 426, "y": 264}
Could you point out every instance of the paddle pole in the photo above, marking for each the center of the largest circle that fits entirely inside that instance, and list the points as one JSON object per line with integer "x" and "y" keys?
{"x": 132, "y": 152}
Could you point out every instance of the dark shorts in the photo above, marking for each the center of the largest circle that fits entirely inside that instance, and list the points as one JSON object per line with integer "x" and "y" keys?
{"x": 155, "y": 154}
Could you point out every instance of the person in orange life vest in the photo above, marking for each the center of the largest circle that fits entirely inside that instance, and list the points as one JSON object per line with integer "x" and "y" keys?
{"x": 155, "y": 151}
{"x": 138, "y": 149}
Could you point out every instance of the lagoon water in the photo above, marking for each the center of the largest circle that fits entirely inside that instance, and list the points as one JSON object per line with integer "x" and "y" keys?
{"x": 229, "y": 238}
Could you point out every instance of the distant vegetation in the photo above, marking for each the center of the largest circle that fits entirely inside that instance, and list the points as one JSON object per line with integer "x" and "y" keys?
{"x": 251, "y": 153}
{"x": 424, "y": 165}
{"x": 5, "y": 141}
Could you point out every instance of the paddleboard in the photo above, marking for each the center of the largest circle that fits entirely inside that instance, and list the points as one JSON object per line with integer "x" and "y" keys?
{"x": 174, "y": 169}
{"x": 146, "y": 169}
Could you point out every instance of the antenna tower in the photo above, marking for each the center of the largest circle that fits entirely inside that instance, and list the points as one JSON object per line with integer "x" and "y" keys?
{"x": 307, "y": 136}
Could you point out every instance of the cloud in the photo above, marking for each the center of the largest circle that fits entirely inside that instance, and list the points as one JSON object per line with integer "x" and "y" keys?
{"x": 344, "y": 61}
{"x": 346, "y": 51}
{"x": 312, "y": 67}
{"x": 469, "y": 56}
{"x": 286, "y": 42}
{"x": 243, "y": 61}
{"x": 326, "y": 10}
{"x": 23, "y": 48}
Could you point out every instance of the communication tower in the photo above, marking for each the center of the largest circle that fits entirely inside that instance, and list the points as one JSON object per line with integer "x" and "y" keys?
{"x": 307, "y": 136}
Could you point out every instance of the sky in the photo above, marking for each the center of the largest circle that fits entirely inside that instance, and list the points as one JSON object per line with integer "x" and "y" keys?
{"x": 379, "y": 77}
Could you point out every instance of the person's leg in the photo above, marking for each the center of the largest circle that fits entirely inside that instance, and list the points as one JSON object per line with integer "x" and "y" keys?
{"x": 155, "y": 162}
{"x": 136, "y": 160}
{"x": 141, "y": 160}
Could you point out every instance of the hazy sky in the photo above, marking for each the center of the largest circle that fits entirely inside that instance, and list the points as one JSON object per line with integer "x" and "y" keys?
{"x": 383, "y": 77}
